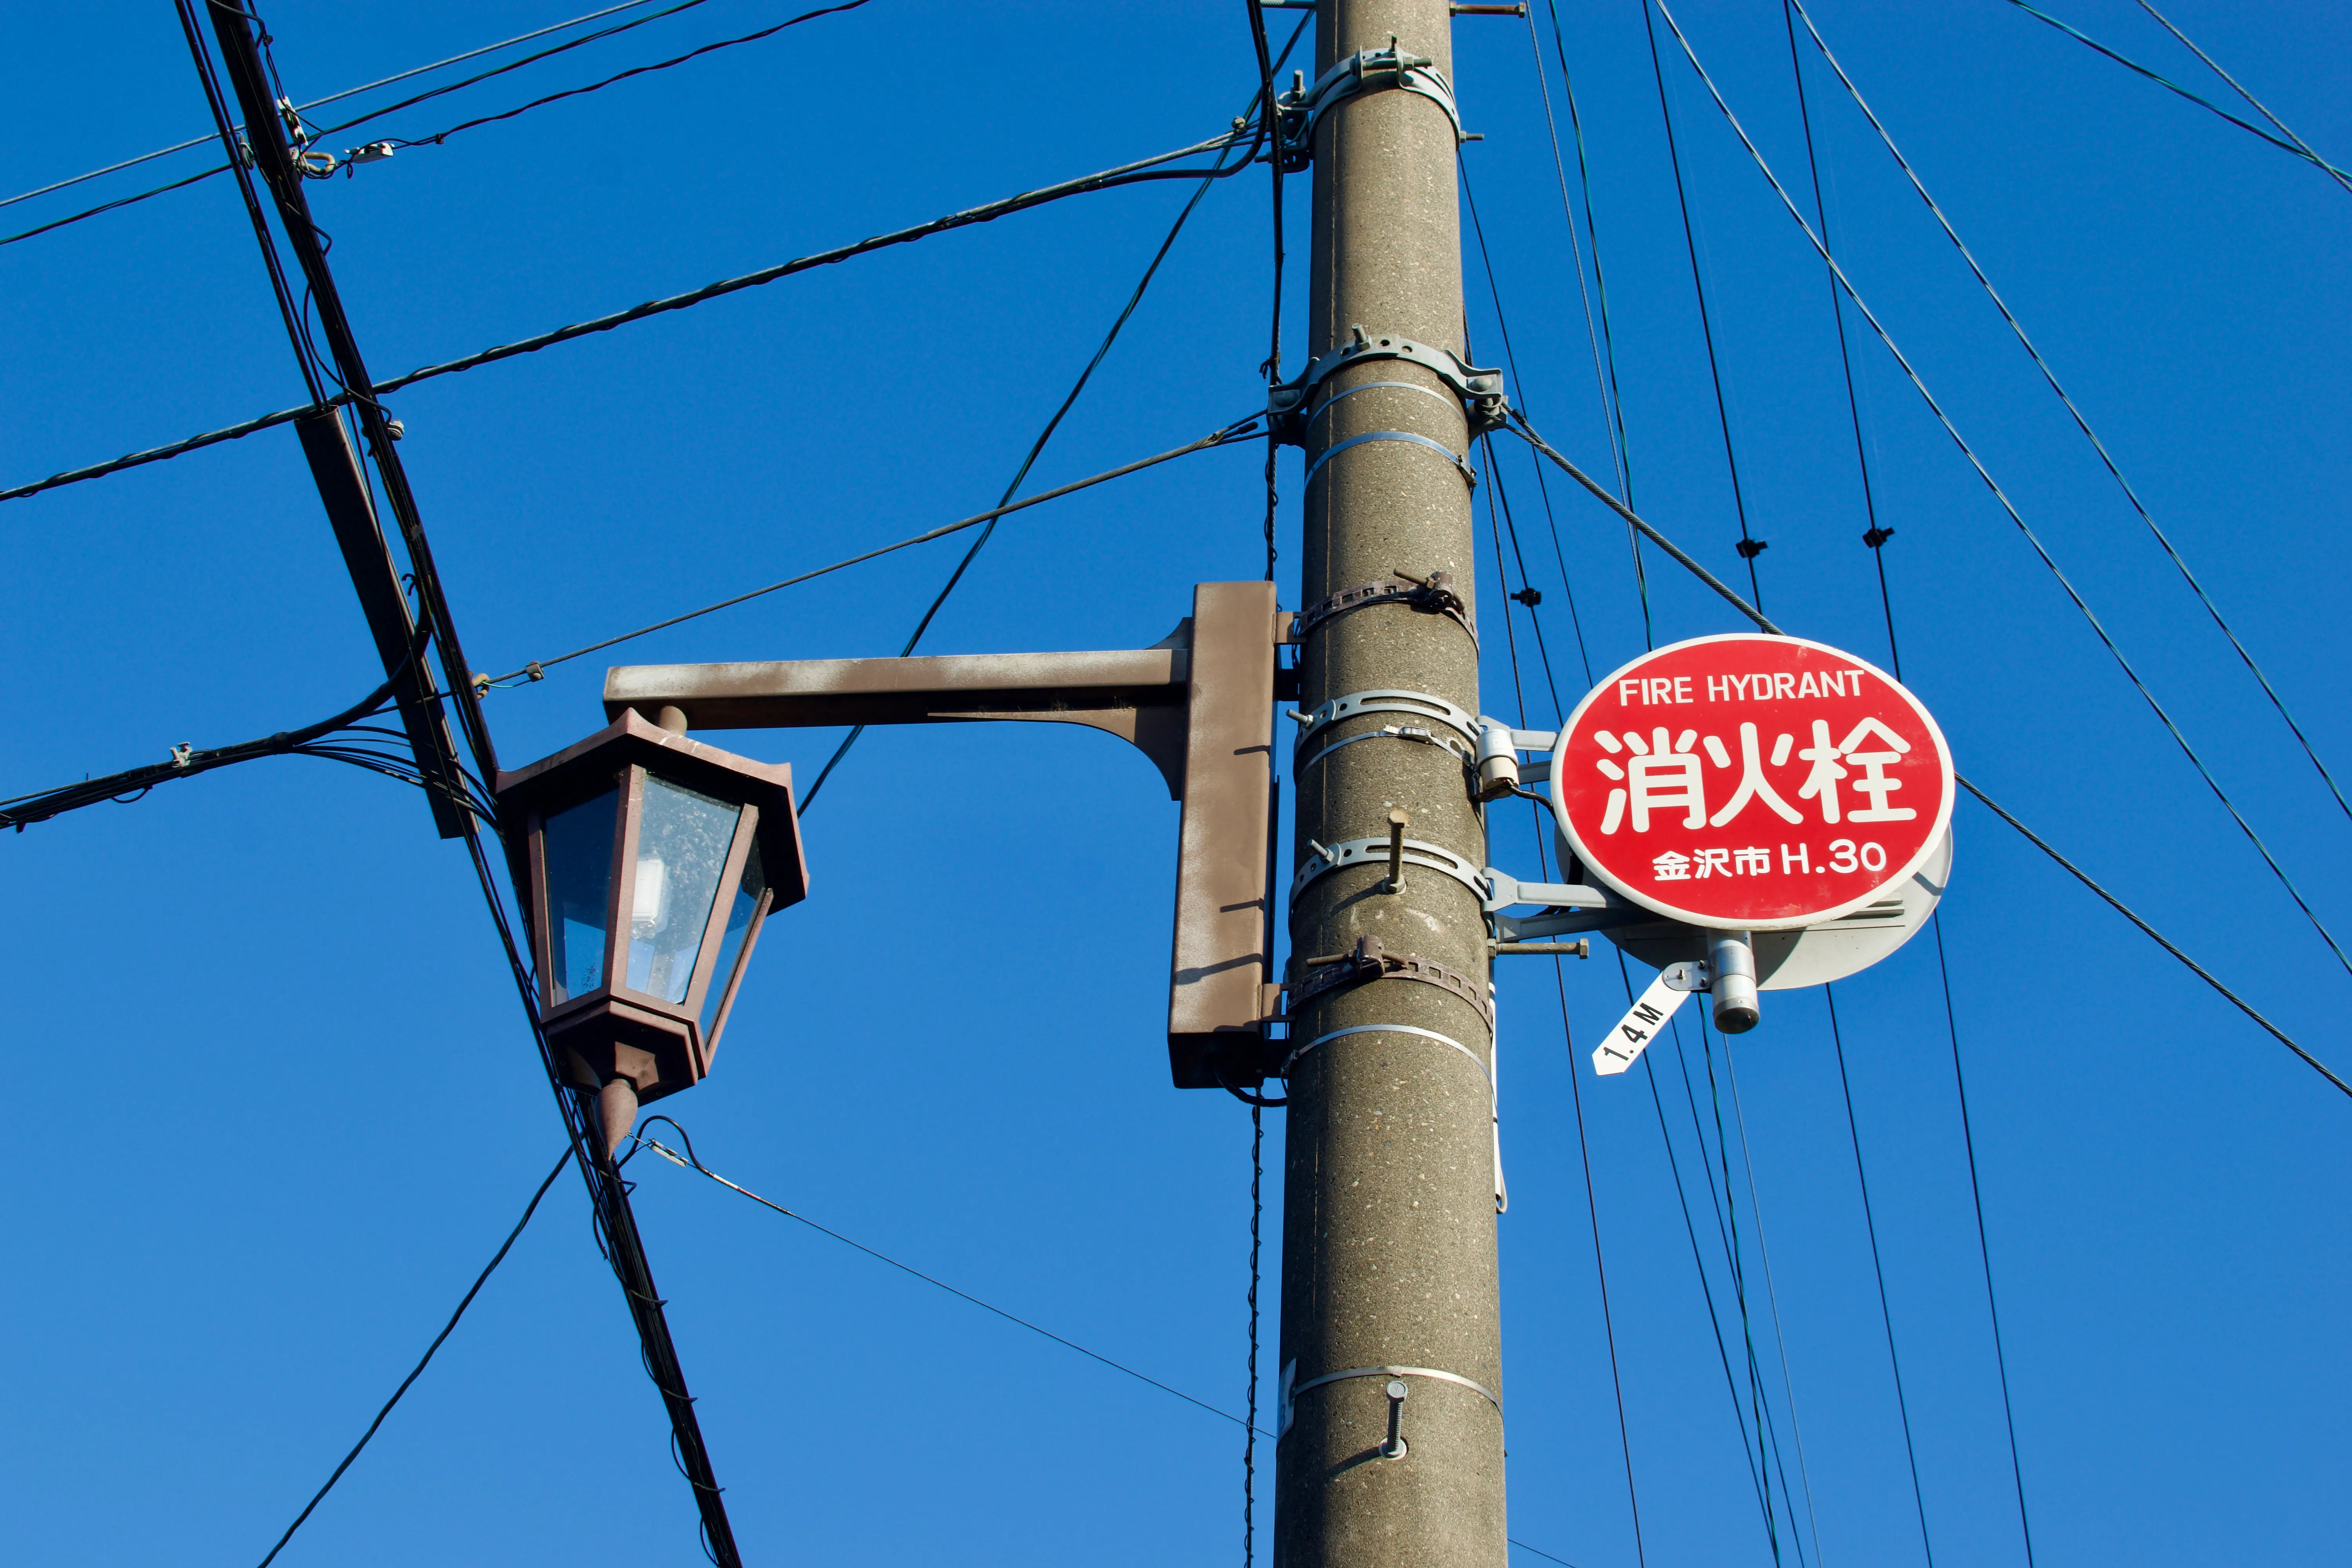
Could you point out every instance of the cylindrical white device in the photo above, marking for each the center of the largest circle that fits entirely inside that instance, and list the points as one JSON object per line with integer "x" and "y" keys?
{"x": 1498, "y": 763}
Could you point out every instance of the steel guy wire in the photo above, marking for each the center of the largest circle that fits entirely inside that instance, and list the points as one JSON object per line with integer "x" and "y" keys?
{"x": 2016, "y": 517}
{"x": 331, "y": 98}
{"x": 2301, "y": 145}
{"x": 427, "y": 1360}
{"x": 1139, "y": 171}
{"x": 1259, "y": 128}
{"x": 2168, "y": 83}
{"x": 1878, "y": 1269}
{"x": 1229, "y": 436}
{"x": 1748, "y": 548}
{"x": 2080, "y": 423}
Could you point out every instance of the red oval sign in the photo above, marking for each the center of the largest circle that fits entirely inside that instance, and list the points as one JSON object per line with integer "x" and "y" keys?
{"x": 1751, "y": 782}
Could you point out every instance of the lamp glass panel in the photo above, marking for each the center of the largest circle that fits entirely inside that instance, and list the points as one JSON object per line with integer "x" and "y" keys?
{"x": 577, "y": 846}
{"x": 730, "y": 938}
{"x": 682, "y": 842}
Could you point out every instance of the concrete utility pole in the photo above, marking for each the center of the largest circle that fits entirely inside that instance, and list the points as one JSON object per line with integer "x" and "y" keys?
{"x": 1389, "y": 1248}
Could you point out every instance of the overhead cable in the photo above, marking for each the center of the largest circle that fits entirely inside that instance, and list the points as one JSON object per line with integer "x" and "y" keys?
{"x": 1256, "y": 120}
{"x": 2032, "y": 538}
{"x": 688, "y": 1160}
{"x": 2081, "y": 422}
{"x": 1240, "y": 430}
{"x": 2301, "y": 145}
{"x": 331, "y": 98}
{"x": 427, "y": 1360}
{"x": 1766, "y": 624}
{"x": 2167, "y": 82}
{"x": 1141, "y": 170}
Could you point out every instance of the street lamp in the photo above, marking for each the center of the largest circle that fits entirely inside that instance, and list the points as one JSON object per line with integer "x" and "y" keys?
{"x": 647, "y": 863}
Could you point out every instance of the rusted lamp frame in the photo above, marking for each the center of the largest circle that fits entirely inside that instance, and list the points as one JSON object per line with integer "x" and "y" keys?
{"x": 634, "y": 1045}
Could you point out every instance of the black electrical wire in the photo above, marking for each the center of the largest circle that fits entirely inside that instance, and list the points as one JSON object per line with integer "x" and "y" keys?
{"x": 1143, "y": 169}
{"x": 438, "y": 137}
{"x": 2297, "y": 147}
{"x": 311, "y": 133}
{"x": 2084, "y": 877}
{"x": 690, "y": 1161}
{"x": 1258, "y": 128}
{"x": 1240, "y": 430}
{"x": 1749, "y": 547}
{"x": 427, "y": 1360}
{"x": 1249, "y": 1425}
{"x": 2050, "y": 376}
{"x": 1272, "y": 369}
{"x": 1878, "y": 1270}
{"x": 2099, "y": 628}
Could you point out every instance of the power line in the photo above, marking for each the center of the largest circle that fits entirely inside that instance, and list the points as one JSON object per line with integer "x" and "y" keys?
{"x": 2081, "y": 422}
{"x": 440, "y": 136}
{"x": 2168, "y": 83}
{"x": 331, "y": 98}
{"x": 689, "y": 1161}
{"x": 427, "y": 1360}
{"x": 1257, "y": 121}
{"x": 1232, "y": 434}
{"x": 1765, "y": 623}
{"x": 2301, "y": 145}
{"x": 2002, "y": 496}
{"x": 1140, "y": 170}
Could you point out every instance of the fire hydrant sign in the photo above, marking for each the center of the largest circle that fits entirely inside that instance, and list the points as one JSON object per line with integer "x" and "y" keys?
{"x": 1751, "y": 782}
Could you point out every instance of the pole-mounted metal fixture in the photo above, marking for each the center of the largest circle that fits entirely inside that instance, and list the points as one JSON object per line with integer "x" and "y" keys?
{"x": 647, "y": 864}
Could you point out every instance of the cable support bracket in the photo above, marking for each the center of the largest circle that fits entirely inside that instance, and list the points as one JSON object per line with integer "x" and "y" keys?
{"x": 1322, "y": 857}
{"x": 1431, "y": 595}
{"x": 1383, "y": 699}
{"x": 1481, "y": 390}
{"x": 1298, "y": 111}
{"x": 1368, "y": 961}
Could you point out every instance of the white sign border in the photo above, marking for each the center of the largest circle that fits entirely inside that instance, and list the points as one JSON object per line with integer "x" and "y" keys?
{"x": 1892, "y": 877}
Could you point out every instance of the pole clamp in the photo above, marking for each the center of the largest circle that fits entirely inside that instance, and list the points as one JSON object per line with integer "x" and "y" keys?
{"x": 1431, "y": 595}
{"x": 1375, "y": 852}
{"x": 1291, "y": 1388}
{"x": 1299, "y": 111}
{"x": 1481, "y": 390}
{"x": 1368, "y": 961}
{"x": 1420, "y": 704}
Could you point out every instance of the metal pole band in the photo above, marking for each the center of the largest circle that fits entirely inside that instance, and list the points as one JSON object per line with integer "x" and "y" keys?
{"x": 1480, "y": 390}
{"x": 1299, "y": 111}
{"x": 1386, "y": 732}
{"x": 1469, "y": 473}
{"x": 1433, "y": 595}
{"x": 1385, "y": 700}
{"x": 1368, "y": 961}
{"x": 1291, "y": 1391}
{"x": 1284, "y": 1070}
{"x": 1375, "y": 852}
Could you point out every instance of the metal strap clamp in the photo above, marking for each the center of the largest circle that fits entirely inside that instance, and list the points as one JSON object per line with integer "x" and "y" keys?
{"x": 1494, "y": 1091}
{"x": 1299, "y": 111}
{"x": 1480, "y": 390}
{"x": 1462, "y": 465}
{"x": 1385, "y": 700}
{"x": 1290, "y": 1390}
{"x": 1432, "y": 595}
{"x": 1375, "y": 852}
{"x": 1368, "y": 961}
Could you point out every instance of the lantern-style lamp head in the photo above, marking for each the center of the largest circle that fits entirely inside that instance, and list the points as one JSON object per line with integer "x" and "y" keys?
{"x": 646, "y": 864}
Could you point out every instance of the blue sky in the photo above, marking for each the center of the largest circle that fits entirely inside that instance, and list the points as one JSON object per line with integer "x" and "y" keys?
{"x": 285, "y": 1108}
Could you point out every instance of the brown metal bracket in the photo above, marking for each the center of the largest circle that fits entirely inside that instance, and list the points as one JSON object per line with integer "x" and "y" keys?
{"x": 1198, "y": 703}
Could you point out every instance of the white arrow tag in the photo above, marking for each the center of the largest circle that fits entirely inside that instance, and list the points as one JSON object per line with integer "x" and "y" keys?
{"x": 1615, "y": 1054}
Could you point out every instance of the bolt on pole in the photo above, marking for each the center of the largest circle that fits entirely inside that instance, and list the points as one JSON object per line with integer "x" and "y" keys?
{"x": 1390, "y": 1188}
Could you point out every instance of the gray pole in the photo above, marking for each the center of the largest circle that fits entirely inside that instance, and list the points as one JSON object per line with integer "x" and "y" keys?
{"x": 1389, "y": 1185}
